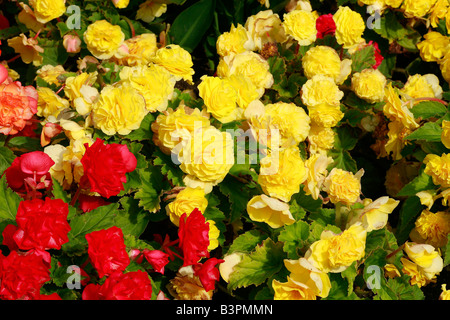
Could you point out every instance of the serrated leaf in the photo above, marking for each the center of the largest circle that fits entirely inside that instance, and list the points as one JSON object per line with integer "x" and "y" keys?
{"x": 132, "y": 219}
{"x": 150, "y": 192}
{"x": 247, "y": 241}
{"x": 294, "y": 237}
{"x": 238, "y": 195}
{"x": 144, "y": 132}
{"x": 9, "y": 201}
{"x": 428, "y": 109}
{"x": 420, "y": 183}
{"x": 446, "y": 252}
{"x": 398, "y": 288}
{"x": 97, "y": 219}
{"x": 168, "y": 168}
{"x": 6, "y": 158}
{"x": 430, "y": 131}
{"x": 258, "y": 266}
{"x": 343, "y": 160}
{"x": 58, "y": 192}
{"x": 363, "y": 59}
{"x": 350, "y": 274}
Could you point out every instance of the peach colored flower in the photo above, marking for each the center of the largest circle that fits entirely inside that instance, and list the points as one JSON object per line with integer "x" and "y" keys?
{"x": 17, "y": 105}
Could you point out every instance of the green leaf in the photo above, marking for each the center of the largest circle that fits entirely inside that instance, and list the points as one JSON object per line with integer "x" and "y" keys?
{"x": 420, "y": 183}
{"x": 363, "y": 59}
{"x": 398, "y": 288}
{"x": 144, "y": 132}
{"x": 428, "y": 109}
{"x": 277, "y": 68}
{"x": 238, "y": 195}
{"x": 247, "y": 241}
{"x": 190, "y": 25}
{"x": 343, "y": 160}
{"x": 150, "y": 192}
{"x": 9, "y": 201}
{"x": 258, "y": 266}
{"x": 168, "y": 168}
{"x": 97, "y": 219}
{"x": 6, "y": 158}
{"x": 58, "y": 192}
{"x": 446, "y": 252}
{"x": 25, "y": 143}
{"x": 409, "y": 211}
{"x": 132, "y": 219}
{"x": 350, "y": 274}
{"x": 430, "y": 131}
{"x": 294, "y": 237}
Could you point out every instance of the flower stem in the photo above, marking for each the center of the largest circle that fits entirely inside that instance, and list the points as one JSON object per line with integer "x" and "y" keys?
{"x": 75, "y": 196}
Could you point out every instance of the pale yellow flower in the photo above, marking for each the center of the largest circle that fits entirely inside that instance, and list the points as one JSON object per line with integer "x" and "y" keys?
{"x": 325, "y": 115}
{"x": 176, "y": 60}
{"x": 426, "y": 257}
{"x": 438, "y": 168}
{"x": 120, "y": 109}
{"x": 73, "y": 85}
{"x": 151, "y": 9}
{"x": 137, "y": 50}
{"x": 262, "y": 28}
{"x": 300, "y": 25}
{"x": 103, "y": 39}
{"x": 292, "y": 290}
{"x": 50, "y": 73}
{"x": 185, "y": 202}
{"x": 47, "y": 10}
{"x": 317, "y": 165}
{"x": 431, "y": 228}
{"x": 49, "y": 103}
{"x": 422, "y": 86}
{"x": 369, "y": 85}
{"x": 445, "y": 294}
{"x": 397, "y": 109}
{"x": 322, "y": 60}
{"x": 272, "y": 211}
{"x": 434, "y": 46}
{"x": 320, "y": 138}
{"x": 186, "y": 285}
{"x": 417, "y": 8}
{"x": 349, "y": 27}
{"x": 281, "y": 173}
{"x": 321, "y": 89}
{"x": 232, "y": 42}
{"x": 343, "y": 186}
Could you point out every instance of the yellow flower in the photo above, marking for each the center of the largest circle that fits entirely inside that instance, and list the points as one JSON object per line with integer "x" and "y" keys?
{"x": 28, "y": 18}
{"x": 281, "y": 173}
{"x": 250, "y": 65}
{"x": 391, "y": 271}
{"x": 316, "y": 165}
{"x": 138, "y": 50}
{"x": 426, "y": 257}
{"x": 226, "y": 268}
{"x": 232, "y": 42}
{"x": 417, "y": 8}
{"x": 213, "y": 235}
{"x": 300, "y": 25}
{"x": 438, "y": 168}
{"x": 325, "y": 115}
{"x": 73, "y": 85}
{"x": 56, "y": 152}
{"x": 431, "y": 228}
{"x": 445, "y": 135}
{"x": 28, "y": 49}
{"x": 103, "y": 39}
{"x": 445, "y": 294}
{"x": 176, "y": 60}
{"x": 422, "y": 86}
{"x": 374, "y": 215}
{"x": 434, "y": 47}
{"x": 50, "y": 73}
{"x": 71, "y": 161}
{"x": 206, "y": 158}
{"x": 320, "y": 139}
{"x": 321, "y": 89}
{"x": 264, "y": 27}
{"x": 151, "y": 9}
{"x": 173, "y": 125}
{"x": 269, "y": 210}
{"x": 393, "y": 3}
{"x": 49, "y": 103}
{"x": 185, "y": 202}
{"x": 290, "y": 121}
{"x": 444, "y": 63}
{"x": 336, "y": 252}
{"x": 302, "y": 271}
{"x": 343, "y": 186}
{"x": 369, "y": 85}
{"x": 322, "y": 60}
{"x": 397, "y": 110}
{"x": 120, "y": 4}
{"x": 153, "y": 82}
{"x": 396, "y": 138}
{"x": 413, "y": 270}
{"x": 119, "y": 109}
{"x": 186, "y": 285}
{"x": 47, "y": 10}
{"x": 220, "y": 98}
{"x": 245, "y": 89}
{"x": 349, "y": 27}
{"x": 292, "y": 290}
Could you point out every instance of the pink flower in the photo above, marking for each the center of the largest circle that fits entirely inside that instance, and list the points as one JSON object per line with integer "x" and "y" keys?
{"x": 208, "y": 273}
{"x": 157, "y": 259}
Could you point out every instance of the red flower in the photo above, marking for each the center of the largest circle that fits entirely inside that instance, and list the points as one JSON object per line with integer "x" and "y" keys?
{"x": 193, "y": 233}
{"x": 107, "y": 251}
{"x": 105, "y": 167}
{"x": 208, "y": 273}
{"x": 121, "y": 286}
{"x": 325, "y": 25}
{"x": 157, "y": 259}
{"x": 7, "y": 235}
{"x": 89, "y": 203}
{"x": 42, "y": 224}
{"x": 29, "y": 173}
{"x": 22, "y": 275}
{"x": 378, "y": 57}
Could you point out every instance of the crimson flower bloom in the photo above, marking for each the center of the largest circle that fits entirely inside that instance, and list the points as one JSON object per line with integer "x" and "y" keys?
{"x": 121, "y": 286}
{"x": 325, "y": 25}
{"x": 208, "y": 273}
{"x": 22, "y": 274}
{"x": 42, "y": 224}
{"x": 157, "y": 259}
{"x": 29, "y": 173}
{"x": 88, "y": 203}
{"x": 193, "y": 233}
{"x": 105, "y": 167}
{"x": 107, "y": 251}
{"x": 378, "y": 57}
